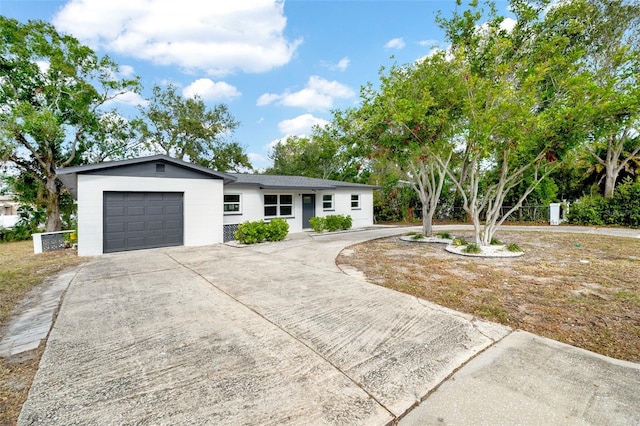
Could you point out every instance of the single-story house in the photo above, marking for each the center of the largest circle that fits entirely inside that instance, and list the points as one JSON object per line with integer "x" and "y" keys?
{"x": 159, "y": 201}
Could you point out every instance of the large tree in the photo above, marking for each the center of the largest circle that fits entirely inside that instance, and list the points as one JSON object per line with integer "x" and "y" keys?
{"x": 610, "y": 36}
{"x": 329, "y": 153}
{"x": 115, "y": 140}
{"x": 187, "y": 129}
{"x": 520, "y": 115}
{"x": 410, "y": 123}
{"x": 51, "y": 91}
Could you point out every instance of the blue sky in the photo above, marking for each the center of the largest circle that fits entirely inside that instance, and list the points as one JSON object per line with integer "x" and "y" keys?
{"x": 280, "y": 66}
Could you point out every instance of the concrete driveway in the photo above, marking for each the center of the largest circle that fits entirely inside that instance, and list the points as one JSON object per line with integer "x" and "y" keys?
{"x": 277, "y": 334}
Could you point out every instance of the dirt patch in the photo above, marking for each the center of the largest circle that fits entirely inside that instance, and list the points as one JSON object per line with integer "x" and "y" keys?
{"x": 580, "y": 289}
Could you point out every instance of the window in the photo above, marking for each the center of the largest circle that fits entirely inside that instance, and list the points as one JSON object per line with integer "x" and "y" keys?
{"x": 278, "y": 205}
{"x": 355, "y": 201}
{"x": 232, "y": 204}
{"x": 327, "y": 202}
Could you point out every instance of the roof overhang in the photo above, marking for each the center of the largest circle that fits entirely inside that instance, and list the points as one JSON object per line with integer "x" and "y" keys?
{"x": 69, "y": 175}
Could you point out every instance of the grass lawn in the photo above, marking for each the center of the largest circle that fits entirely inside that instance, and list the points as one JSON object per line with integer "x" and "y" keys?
{"x": 20, "y": 271}
{"x": 580, "y": 289}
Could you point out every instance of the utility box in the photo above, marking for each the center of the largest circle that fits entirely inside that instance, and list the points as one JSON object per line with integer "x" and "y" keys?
{"x": 557, "y": 213}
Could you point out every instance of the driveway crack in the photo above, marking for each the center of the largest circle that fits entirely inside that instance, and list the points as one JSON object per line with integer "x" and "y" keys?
{"x": 319, "y": 354}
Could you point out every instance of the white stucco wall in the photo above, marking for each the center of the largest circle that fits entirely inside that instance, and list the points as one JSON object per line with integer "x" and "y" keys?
{"x": 202, "y": 207}
{"x": 252, "y": 205}
{"x": 362, "y": 217}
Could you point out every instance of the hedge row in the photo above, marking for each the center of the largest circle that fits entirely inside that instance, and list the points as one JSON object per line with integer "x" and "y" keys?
{"x": 259, "y": 231}
{"x": 331, "y": 223}
{"x": 623, "y": 209}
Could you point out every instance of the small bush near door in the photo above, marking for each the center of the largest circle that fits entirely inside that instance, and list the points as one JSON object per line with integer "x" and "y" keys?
{"x": 259, "y": 231}
{"x": 277, "y": 230}
{"x": 317, "y": 224}
{"x": 331, "y": 223}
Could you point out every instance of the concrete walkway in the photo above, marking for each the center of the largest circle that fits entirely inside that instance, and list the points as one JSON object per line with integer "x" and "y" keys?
{"x": 277, "y": 334}
{"x": 31, "y": 326}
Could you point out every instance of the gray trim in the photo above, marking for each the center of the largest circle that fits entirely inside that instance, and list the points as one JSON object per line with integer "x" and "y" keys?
{"x": 279, "y": 182}
{"x": 149, "y": 169}
{"x": 136, "y": 167}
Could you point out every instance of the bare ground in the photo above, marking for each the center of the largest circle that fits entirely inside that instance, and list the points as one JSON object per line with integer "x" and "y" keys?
{"x": 580, "y": 289}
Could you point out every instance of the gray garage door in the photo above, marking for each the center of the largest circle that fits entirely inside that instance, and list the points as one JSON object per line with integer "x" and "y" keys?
{"x": 141, "y": 220}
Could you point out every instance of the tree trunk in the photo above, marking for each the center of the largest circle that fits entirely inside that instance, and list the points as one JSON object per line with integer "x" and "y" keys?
{"x": 54, "y": 223}
{"x": 427, "y": 218}
{"x": 610, "y": 180}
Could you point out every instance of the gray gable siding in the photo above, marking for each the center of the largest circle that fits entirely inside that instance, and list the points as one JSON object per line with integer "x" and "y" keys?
{"x": 150, "y": 169}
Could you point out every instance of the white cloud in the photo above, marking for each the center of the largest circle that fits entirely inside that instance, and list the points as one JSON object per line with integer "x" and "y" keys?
{"x": 126, "y": 70}
{"x": 209, "y": 90}
{"x": 216, "y": 37}
{"x": 318, "y": 94}
{"x": 309, "y": 99}
{"x": 341, "y": 65}
{"x": 128, "y": 98}
{"x": 395, "y": 43}
{"x": 275, "y": 142}
{"x": 301, "y": 125}
{"x": 429, "y": 43}
{"x": 254, "y": 157}
{"x": 267, "y": 98}
{"x": 508, "y": 24}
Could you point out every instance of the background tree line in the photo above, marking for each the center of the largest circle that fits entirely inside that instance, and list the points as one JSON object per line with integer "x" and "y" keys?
{"x": 546, "y": 110}
{"x": 54, "y": 96}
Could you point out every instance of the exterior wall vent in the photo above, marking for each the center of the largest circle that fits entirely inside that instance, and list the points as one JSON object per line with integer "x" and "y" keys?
{"x": 159, "y": 168}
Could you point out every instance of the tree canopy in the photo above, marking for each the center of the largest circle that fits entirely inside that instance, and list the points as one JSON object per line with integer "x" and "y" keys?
{"x": 51, "y": 91}
{"x": 329, "y": 153}
{"x": 186, "y": 129}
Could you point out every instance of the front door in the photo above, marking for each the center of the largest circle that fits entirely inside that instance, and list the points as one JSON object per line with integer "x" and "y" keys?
{"x": 308, "y": 209}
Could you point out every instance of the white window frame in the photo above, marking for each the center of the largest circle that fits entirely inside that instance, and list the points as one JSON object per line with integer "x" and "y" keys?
{"x": 239, "y": 203}
{"x": 279, "y": 204}
{"x": 332, "y": 201}
{"x": 356, "y": 201}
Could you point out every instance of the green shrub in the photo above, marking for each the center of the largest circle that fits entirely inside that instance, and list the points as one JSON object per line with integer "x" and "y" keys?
{"x": 624, "y": 207}
{"x": 417, "y": 237}
{"x": 587, "y": 211}
{"x": 317, "y": 224}
{"x": 514, "y": 247}
{"x": 277, "y": 230}
{"x": 495, "y": 242}
{"x": 444, "y": 235}
{"x": 259, "y": 231}
{"x": 347, "y": 222}
{"x": 459, "y": 241}
{"x": 472, "y": 248}
{"x": 331, "y": 223}
{"x": 251, "y": 232}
